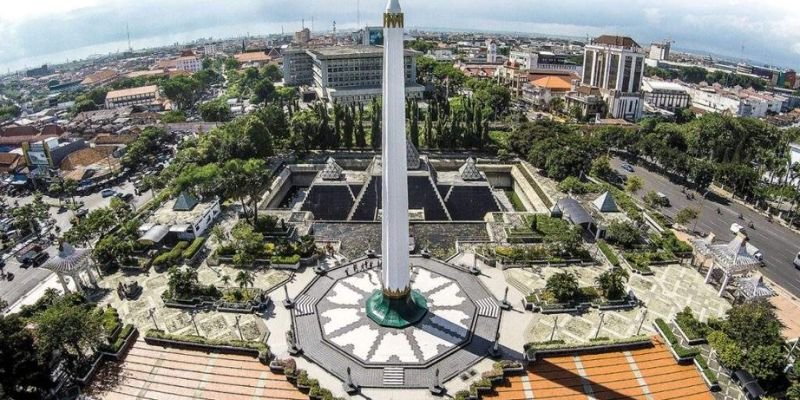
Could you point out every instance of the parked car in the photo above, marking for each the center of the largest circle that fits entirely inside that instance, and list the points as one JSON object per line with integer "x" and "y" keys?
{"x": 627, "y": 167}
{"x": 33, "y": 258}
{"x": 107, "y": 192}
{"x": 81, "y": 212}
{"x": 125, "y": 196}
{"x": 797, "y": 261}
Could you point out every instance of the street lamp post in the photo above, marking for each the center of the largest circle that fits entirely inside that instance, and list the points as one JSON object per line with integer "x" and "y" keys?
{"x": 191, "y": 315}
{"x": 152, "y": 313}
{"x": 644, "y": 316}
{"x": 239, "y": 328}
{"x": 553, "y": 333}
{"x": 600, "y": 325}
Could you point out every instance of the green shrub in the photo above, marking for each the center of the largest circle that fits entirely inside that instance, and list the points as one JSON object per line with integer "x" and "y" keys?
{"x": 196, "y": 245}
{"x": 693, "y": 328}
{"x": 159, "y": 334}
{"x": 612, "y": 258}
{"x": 461, "y": 395}
{"x": 173, "y": 256}
{"x": 293, "y": 259}
{"x": 110, "y": 320}
{"x": 681, "y": 351}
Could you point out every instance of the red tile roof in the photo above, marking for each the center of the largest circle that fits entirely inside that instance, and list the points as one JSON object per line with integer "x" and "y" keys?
{"x": 19, "y": 131}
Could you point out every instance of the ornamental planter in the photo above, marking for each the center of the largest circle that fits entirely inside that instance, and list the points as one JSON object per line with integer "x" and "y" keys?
{"x": 712, "y": 386}
{"x": 685, "y": 337}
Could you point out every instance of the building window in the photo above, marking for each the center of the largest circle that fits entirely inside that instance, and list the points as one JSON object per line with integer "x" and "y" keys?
{"x": 637, "y": 75}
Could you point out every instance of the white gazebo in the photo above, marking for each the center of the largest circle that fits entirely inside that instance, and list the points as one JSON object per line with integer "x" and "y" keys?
{"x": 753, "y": 288}
{"x": 732, "y": 258}
{"x": 71, "y": 262}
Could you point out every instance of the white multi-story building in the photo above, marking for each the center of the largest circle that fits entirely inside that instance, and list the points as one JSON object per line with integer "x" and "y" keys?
{"x": 491, "y": 51}
{"x": 143, "y": 95}
{"x": 346, "y": 74}
{"x": 659, "y": 51}
{"x": 665, "y": 95}
{"x": 615, "y": 65}
{"x": 543, "y": 60}
{"x": 189, "y": 64}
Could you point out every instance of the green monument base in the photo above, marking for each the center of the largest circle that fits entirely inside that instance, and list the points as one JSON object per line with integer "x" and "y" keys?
{"x": 396, "y": 313}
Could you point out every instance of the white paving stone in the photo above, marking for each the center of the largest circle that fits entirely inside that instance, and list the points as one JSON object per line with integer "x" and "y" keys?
{"x": 429, "y": 342}
{"x": 449, "y": 296}
{"x": 452, "y": 320}
{"x": 394, "y": 344}
{"x": 426, "y": 282}
{"x": 366, "y": 282}
{"x": 345, "y": 296}
{"x": 339, "y": 318}
{"x": 360, "y": 338}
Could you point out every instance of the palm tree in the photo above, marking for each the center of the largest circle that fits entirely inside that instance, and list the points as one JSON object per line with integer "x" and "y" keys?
{"x": 563, "y": 286}
{"x": 245, "y": 279}
{"x": 612, "y": 283}
{"x": 226, "y": 279}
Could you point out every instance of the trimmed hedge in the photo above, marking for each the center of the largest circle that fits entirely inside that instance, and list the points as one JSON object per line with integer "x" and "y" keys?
{"x": 693, "y": 328}
{"x": 681, "y": 351}
{"x": 119, "y": 341}
{"x": 293, "y": 259}
{"x": 191, "y": 339}
{"x": 612, "y": 258}
{"x": 561, "y": 345}
{"x": 196, "y": 245}
{"x": 171, "y": 257}
{"x": 712, "y": 377}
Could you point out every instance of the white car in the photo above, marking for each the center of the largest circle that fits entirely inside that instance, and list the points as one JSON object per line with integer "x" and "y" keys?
{"x": 797, "y": 261}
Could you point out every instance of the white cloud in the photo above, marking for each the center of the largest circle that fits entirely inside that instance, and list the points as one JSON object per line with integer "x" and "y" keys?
{"x": 768, "y": 29}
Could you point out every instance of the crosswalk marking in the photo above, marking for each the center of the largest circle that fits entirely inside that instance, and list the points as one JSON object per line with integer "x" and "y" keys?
{"x": 304, "y": 305}
{"x": 393, "y": 376}
{"x": 488, "y": 307}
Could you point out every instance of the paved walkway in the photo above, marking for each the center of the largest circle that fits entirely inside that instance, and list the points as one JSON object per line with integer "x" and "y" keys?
{"x": 646, "y": 374}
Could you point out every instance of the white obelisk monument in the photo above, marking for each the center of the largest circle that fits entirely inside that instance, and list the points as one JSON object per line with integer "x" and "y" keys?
{"x": 394, "y": 228}
{"x": 396, "y": 305}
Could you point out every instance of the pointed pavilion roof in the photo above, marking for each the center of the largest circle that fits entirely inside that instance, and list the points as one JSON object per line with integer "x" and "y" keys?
{"x": 412, "y": 156}
{"x": 606, "y": 203}
{"x": 185, "y": 202}
{"x": 332, "y": 171}
{"x": 469, "y": 172}
{"x": 752, "y": 288}
{"x": 69, "y": 259}
{"x": 733, "y": 257}
{"x": 556, "y": 212}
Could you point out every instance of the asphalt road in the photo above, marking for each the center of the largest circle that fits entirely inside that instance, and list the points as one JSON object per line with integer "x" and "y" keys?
{"x": 777, "y": 243}
{"x": 26, "y": 279}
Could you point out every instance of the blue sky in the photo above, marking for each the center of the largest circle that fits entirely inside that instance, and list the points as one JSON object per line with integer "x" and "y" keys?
{"x": 52, "y": 30}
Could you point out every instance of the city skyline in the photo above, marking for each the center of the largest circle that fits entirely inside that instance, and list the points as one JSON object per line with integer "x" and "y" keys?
{"x": 731, "y": 29}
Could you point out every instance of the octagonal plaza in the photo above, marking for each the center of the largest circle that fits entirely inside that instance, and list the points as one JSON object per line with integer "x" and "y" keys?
{"x": 334, "y": 331}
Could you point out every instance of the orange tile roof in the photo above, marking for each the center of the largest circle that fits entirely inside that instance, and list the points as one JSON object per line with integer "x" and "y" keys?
{"x": 132, "y": 91}
{"x": 84, "y": 157}
{"x": 100, "y": 76}
{"x": 557, "y": 83}
{"x": 609, "y": 375}
{"x": 255, "y": 56}
{"x": 153, "y": 372}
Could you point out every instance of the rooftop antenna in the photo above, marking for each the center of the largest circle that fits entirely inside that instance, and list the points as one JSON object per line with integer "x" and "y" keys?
{"x": 334, "y": 28}
{"x": 128, "y": 31}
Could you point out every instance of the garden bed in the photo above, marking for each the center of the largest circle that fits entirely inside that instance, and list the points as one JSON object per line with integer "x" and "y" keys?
{"x": 541, "y": 301}
{"x": 709, "y": 376}
{"x": 556, "y": 347}
{"x": 680, "y": 353}
{"x": 692, "y": 330}
{"x": 259, "y": 350}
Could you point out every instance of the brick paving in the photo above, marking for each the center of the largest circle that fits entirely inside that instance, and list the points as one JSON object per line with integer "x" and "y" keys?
{"x": 151, "y": 372}
{"x": 646, "y": 374}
